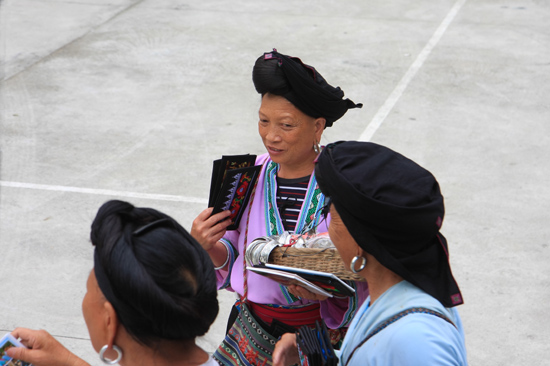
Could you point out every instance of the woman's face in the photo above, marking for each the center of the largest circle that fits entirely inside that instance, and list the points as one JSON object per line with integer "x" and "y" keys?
{"x": 341, "y": 237}
{"x": 288, "y": 135}
{"x": 92, "y": 309}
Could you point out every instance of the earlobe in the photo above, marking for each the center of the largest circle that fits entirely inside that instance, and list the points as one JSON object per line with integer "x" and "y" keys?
{"x": 110, "y": 353}
{"x": 111, "y": 322}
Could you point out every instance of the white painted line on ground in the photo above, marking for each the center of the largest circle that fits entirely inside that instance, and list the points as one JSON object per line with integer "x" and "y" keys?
{"x": 386, "y": 108}
{"x": 373, "y": 126}
{"x": 104, "y": 192}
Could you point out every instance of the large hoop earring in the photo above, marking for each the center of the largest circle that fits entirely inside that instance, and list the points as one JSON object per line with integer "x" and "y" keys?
{"x": 108, "y": 361}
{"x": 316, "y": 147}
{"x": 354, "y": 262}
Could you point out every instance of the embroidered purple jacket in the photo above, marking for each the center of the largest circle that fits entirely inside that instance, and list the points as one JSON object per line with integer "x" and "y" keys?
{"x": 264, "y": 220}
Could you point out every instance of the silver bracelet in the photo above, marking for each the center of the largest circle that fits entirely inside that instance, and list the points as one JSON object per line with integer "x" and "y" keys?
{"x": 226, "y": 259}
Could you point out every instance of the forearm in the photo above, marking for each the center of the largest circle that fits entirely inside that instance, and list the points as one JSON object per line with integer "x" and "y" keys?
{"x": 219, "y": 255}
{"x": 73, "y": 360}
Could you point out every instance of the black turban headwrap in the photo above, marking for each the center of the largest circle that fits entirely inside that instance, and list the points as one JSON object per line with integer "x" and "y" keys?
{"x": 306, "y": 89}
{"x": 393, "y": 208}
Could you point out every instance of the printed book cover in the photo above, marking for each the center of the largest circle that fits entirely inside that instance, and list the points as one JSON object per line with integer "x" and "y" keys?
{"x": 314, "y": 346}
{"x": 221, "y": 167}
{"x": 287, "y": 278}
{"x": 236, "y": 186}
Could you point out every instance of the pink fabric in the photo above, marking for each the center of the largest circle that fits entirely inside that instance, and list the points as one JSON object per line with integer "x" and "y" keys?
{"x": 265, "y": 291}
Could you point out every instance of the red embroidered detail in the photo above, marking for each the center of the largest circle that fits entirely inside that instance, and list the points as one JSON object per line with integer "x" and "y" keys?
{"x": 242, "y": 189}
{"x": 251, "y": 356}
{"x": 235, "y": 208}
{"x": 243, "y": 343}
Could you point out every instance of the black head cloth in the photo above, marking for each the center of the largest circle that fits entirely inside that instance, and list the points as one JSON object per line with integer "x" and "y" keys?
{"x": 306, "y": 88}
{"x": 394, "y": 209}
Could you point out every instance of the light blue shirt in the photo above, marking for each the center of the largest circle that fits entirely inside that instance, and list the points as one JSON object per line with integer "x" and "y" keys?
{"x": 416, "y": 339}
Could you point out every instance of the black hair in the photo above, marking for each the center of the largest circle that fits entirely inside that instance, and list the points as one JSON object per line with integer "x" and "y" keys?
{"x": 160, "y": 281}
{"x": 268, "y": 77}
{"x": 301, "y": 85}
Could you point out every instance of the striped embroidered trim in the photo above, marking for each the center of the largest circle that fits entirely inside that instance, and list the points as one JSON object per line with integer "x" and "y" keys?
{"x": 288, "y": 296}
{"x": 313, "y": 201}
{"x": 352, "y": 307}
{"x": 274, "y": 224}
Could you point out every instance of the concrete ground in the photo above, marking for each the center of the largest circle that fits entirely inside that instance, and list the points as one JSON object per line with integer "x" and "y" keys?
{"x": 133, "y": 99}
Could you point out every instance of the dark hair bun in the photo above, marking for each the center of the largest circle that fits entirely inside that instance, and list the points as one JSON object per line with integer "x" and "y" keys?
{"x": 163, "y": 282}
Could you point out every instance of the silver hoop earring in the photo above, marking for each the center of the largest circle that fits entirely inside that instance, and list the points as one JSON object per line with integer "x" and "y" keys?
{"x": 316, "y": 148}
{"x": 108, "y": 361}
{"x": 354, "y": 262}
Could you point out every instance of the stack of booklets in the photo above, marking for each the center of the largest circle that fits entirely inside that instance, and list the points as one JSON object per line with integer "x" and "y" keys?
{"x": 314, "y": 346}
{"x": 322, "y": 283}
{"x": 232, "y": 182}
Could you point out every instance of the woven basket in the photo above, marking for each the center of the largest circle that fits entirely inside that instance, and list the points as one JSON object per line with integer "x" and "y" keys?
{"x": 323, "y": 260}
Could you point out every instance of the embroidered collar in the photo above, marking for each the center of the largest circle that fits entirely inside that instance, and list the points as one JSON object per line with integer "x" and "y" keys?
{"x": 309, "y": 214}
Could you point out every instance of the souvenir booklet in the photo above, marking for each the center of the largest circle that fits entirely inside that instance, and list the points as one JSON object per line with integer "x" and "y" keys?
{"x": 220, "y": 168}
{"x": 287, "y": 278}
{"x": 233, "y": 178}
{"x": 314, "y": 347}
{"x": 6, "y": 343}
{"x": 327, "y": 281}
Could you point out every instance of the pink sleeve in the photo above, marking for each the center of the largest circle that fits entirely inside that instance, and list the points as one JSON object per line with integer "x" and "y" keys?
{"x": 223, "y": 277}
{"x": 337, "y": 313}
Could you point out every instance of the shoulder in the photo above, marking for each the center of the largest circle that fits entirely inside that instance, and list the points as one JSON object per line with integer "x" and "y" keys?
{"x": 263, "y": 158}
{"x": 424, "y": 339}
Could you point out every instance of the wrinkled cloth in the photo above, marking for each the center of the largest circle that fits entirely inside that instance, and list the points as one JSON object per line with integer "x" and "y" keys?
{"x": 414, "y": 340}
{"x": 309, "y": 91}
{"x": 394, "y": 209}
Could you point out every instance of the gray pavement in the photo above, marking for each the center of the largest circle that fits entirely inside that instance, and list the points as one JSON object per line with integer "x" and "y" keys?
{"x": 134, "y": 99}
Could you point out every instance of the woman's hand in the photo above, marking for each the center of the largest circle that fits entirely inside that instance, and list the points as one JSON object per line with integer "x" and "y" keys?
{"x": 301, "y": 292}
{"x": 44, "y": 349}
{"x": 207, "y": 230}
{"x": 286, "y": 351}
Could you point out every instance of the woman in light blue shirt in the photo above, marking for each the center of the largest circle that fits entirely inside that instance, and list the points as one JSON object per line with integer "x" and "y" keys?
{"x": 386, "y": 215}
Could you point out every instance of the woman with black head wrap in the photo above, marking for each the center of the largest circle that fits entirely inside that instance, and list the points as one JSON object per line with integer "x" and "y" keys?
{"x": 297, "y": 105}
{"x": 387, "y": 212}
{"x": 151, "y": 292}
